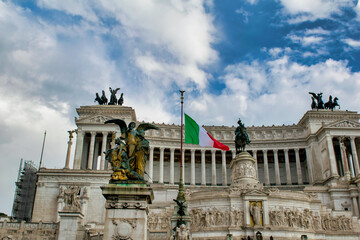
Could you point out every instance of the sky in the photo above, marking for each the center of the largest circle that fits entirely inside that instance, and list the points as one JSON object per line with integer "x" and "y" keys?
{"x": 250, "y": 59}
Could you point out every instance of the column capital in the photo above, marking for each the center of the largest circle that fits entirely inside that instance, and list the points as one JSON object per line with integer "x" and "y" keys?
{"x": 296, "y": 150}
{"x": 93, "y": 133}
{"x": 352, "y": 138}
{"x": 162, "y": 149}
{"x": 286, "y": 150}
{"x": 213, "y": 151}
{"x": 80, "y": 132}
{"x": 265, "y": 150}
{"x": 254, "y": 151}
{"x": 223, "y": 152}
{"x": 105, "y": 133}
{"x": 192, "y": 150}
{"x": 172, "y": 149}
{"x": 275, "y": 150}
{"x": 203, "y": 150}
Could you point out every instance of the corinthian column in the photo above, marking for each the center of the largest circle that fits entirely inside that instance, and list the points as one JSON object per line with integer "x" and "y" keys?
{"x": 277, "y": 169}
{"x": 333, "y": 168}
{"x": 287, "y": 166}
{"x": 172, "y": 152}
{"x": 151, "y": 164}
{"x": 103, "y": 149}
{"x": 298, "y": 166}
{"x": 213, "y": 167}
{"x": 67, "y": 163}
{"x": 203, "y": 173}
{"x": 266, "y": 168}
{"x": 223, "y": 165}
{"x": 91, "y": 150}
{"x": 192, "y": 166}
{"x": 78, "y": 149}
{"x": 161, "y": 166}
{"x": 354, "y": 155}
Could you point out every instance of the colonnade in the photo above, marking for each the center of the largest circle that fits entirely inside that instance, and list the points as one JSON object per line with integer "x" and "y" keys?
{"x": 343, "y": 156}
{"x": 87, "y": 158}
{"x": 90, "y": 145}
{"x": 220, "y": 159}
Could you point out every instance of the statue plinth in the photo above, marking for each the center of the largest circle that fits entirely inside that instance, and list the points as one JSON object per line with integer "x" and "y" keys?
{"x": 69, "y": 224}
{"x": 127, "y": 210}
{"x": 243, "y": 170}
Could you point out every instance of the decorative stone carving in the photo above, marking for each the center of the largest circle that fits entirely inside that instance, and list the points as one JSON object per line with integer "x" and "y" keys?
{"x": 243, "y": 170}
{"x": 158, "y": 221}
{"x": 71, "y": 198}
{"x": 307, "y": 220}
{"x": 202, "y": 219}
{"x": 182, "y": 233}
{"x": 124, "y": 229}
{"x": 126, "y": 205}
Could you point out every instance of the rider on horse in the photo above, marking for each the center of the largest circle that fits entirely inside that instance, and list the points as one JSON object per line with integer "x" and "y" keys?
{"x": 241, "y": 137}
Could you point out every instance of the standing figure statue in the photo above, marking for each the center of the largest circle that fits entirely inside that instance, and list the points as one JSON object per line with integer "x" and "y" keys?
{"x": 104, "y": 98}
{"x": 182, "y": 233}
{"x": 113, "y": 99}
{"x": 121, "y": 99}
{"x": 128, "y": 158}
{"x": 241, "y": 137}
{"x": 256, "y": 213}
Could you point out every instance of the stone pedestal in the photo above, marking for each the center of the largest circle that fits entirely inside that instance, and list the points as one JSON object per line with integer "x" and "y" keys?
{"x": 69, "y": 225}
{"x": 243, "y": 170}
{"x": 126, "y": 210}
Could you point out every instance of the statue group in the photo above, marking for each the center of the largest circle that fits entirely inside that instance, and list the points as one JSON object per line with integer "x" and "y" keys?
{"x": 129, "y": 157}
{"x": 113, "y": 99}
{"x": 241, "y": 137}
{"x": 317, "y": 102}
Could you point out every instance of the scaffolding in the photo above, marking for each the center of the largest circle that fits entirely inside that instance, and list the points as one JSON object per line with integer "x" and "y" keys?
{"x": 24, "y": 191}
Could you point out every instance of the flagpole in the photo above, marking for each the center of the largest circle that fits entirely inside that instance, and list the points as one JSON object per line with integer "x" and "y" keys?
{"x": 181, "y": 195}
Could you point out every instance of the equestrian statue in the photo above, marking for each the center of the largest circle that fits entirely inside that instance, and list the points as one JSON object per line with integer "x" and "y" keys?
{"x": 241, "y": 137}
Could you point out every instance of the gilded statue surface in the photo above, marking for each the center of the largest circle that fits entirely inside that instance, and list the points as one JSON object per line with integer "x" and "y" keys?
{"x": 129, "y": 157}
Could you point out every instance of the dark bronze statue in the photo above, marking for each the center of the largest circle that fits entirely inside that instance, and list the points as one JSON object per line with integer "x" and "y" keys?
{"x": 113, "y": 99}
{"x": 98, "y": 99}
{"x": 319, "y": 104}
{"x": 104, "y": 98}
{"x": 318, "y": 97}
{"x": 241, "y": 137}
{"x": 331, "y": 104}
{"x": 121, "y": 99}
{"x": 128, "y": 158}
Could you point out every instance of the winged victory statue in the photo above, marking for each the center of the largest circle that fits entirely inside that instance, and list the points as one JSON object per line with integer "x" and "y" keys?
{"x": 129, "y": 157}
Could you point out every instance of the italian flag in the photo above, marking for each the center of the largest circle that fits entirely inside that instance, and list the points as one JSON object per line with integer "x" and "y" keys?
{"x": 195, "y": 134}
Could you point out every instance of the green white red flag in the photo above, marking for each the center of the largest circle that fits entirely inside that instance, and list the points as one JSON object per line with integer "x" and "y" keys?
{"x": 196, "y": 134}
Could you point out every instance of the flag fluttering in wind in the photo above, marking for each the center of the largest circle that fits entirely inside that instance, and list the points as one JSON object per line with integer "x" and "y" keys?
{"x": 195, "y": 134}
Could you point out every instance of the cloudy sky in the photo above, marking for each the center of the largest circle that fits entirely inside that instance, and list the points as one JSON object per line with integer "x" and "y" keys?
{"x": 254, "y": 59}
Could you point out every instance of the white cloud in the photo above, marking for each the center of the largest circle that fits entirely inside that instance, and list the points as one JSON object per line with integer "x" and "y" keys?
{"x": 306, "y": 40}
{"x": 311, "y": 10}
{"x": 276, "y": 91}
{"x": 176, "y": 30}
{"x": 351, "y": 42}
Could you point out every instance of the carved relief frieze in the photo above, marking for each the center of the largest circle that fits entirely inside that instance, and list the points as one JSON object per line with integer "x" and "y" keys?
{"x": 203, "y": 219}
{"x": 307, "y": 219}
{"x": 125, "y": 204}
{"x": 158, "y": 221}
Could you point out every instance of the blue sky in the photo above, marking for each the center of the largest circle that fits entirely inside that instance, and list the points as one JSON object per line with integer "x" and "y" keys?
{"x": 253, "y": 59}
